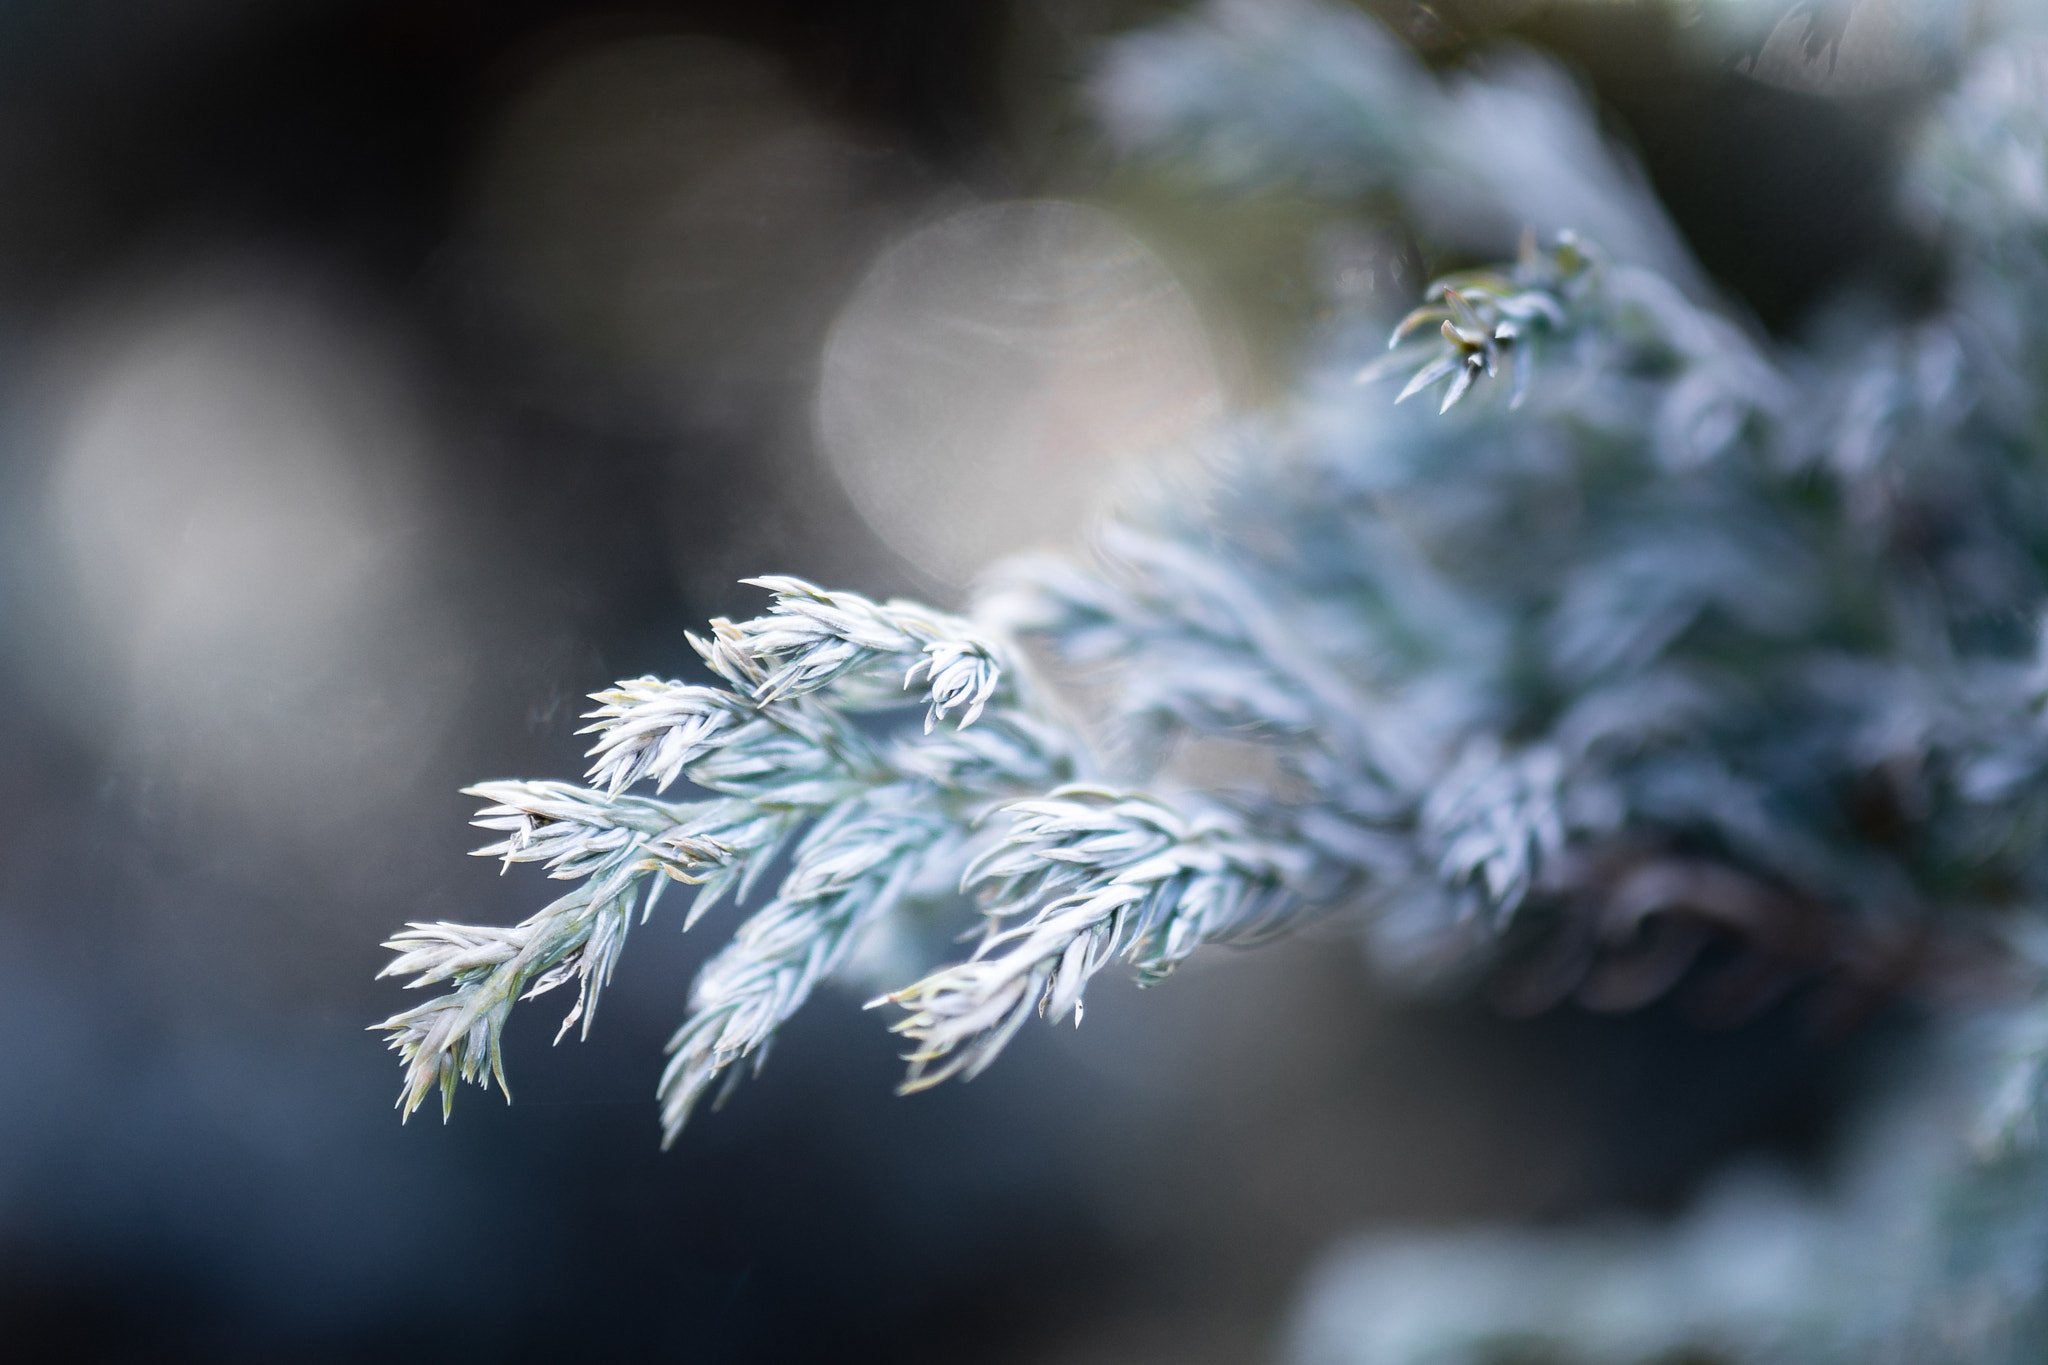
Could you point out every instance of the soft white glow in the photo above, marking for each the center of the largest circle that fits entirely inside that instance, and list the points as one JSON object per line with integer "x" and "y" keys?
{"x": 234, "y": 502}
{"x": 994, "y": 372}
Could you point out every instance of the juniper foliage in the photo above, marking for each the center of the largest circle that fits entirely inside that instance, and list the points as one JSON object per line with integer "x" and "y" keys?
{"x": 1641, "y": 633}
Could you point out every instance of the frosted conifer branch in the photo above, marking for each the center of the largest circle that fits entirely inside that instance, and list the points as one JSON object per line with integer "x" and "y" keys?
{"x": 615, "y": 843}
{"x": 1497, "y": 820}
{"x": 778, "y": 770}
{"x": 455, "y": 1037}
{"x": 810, "y": 640}
{"x": 1101, "y": 874}
{"x": 1190, "y": 642}
{"x": 1186, "y": 641}
{"x": 779, "y": 752}
{"x": 578, "y": 832}
{"x": 1010, "y": 753}
{"x": 1473, "y": 324}
{"x": 813, "y": 638}
{"x": 651, "y": 728}
{"x": 851, "y": 869}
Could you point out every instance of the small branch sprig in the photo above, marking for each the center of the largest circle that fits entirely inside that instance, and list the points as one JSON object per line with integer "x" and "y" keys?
{"x": 614, "y": 843}
{"x": 1101, "y": 874}
{"x": 1477, "y": 322}
{"x": 1496, "y": 819}
{"x": 1189, "y": 645}
{"x": 851, "y": 869}
{"x": 813, "y": 639}
{"x": 778, "y": 749}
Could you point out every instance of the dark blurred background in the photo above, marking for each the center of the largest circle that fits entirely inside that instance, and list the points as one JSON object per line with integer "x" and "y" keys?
{"x": 376, "y": 379}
